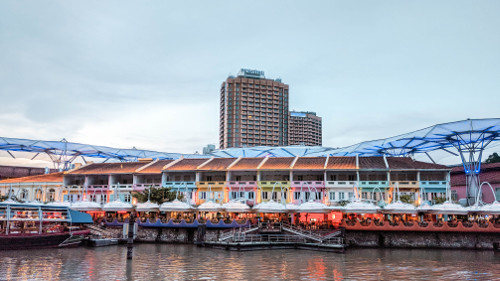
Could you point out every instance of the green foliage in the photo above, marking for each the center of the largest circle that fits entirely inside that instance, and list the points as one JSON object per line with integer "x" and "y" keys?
{"x": 406, "y": 199}
{"x": 439, "y": 200}
{"x": 343, "y": 203}
{"x": 5, "y": 197}
{"x": 493, "y": 158}
{"x": 158, "y": 195}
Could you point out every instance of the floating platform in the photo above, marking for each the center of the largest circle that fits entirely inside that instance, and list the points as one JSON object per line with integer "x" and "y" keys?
{"x": 253, "y": 246}
{"x": 102, "y": 242}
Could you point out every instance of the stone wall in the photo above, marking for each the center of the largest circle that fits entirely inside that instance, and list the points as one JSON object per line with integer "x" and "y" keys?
{"x": 448, "y": 240}
{"x": 166, "y": 235}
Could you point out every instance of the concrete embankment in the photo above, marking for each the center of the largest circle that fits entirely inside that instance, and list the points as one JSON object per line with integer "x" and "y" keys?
{"x": 364, "y": 239}
{"x": 443, "y": 240}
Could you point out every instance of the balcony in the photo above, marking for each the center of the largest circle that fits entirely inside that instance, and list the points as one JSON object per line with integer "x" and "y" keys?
{"x": 180, "y": 184}
{"x": 143, "y": 186}
{"x": 268, "y": 185}
{"x": 405, "y": 184}
{"x": 244, "y": 185}
{"x": 433, "y": 186}
{"x": 340, "y": 184}
{"x": 308, "y": 184}
{"x": 126, "y": 187}
{"x": 100, "y": 187}
{"x": 373, "y": 184}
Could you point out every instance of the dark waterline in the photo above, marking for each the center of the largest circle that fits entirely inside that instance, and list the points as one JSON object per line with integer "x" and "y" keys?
{"x": 187, "y": 262}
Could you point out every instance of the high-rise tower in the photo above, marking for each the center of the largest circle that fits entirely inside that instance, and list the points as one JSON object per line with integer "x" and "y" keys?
{"x": 253, "y": 111}
{"x": 305, "y": 129}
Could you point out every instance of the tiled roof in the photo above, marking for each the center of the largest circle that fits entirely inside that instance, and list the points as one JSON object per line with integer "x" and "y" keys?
{"x": 218, "y": 164}
{"x": 406, "y": 163}
{"x": 155, "y": 168}
{"x": 341, "y": 163}
{"x": 372, "y": 163}
{"x": 310, "y": 163}
{"x": 484, "y": 167}
{"x": 278, "y": 163}
{"x": 54, "y": 177}
{"x": 109, "y": 168}
{"x": 247, "y": 164}
{"x": 492, "y": 177}
{"x": 187, "y": 164}
{"x": 16, "y": 172}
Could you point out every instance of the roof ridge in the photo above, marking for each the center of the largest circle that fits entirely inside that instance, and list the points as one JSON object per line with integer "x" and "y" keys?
{"x": 172, "y": 163}
{"x": 234, "y": 163}
{"x": 147, "y": 165}
{"x": 263, "y": 162}
{"x": 205, "y": 163}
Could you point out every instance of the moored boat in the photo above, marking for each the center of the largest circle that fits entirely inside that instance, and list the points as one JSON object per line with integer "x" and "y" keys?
{"x": 27, "y": 226}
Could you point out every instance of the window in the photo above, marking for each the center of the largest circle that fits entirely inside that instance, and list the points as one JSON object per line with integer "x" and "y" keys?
{"x": 296, "y": 195}
{"x": 364, "y": 195}
{"x": 126, "y": 198}
{"x": 203, "y": 195}
{"x": 275, "y": 196}
{"x": 341, "y": 195}
{"x": 332, "y": 196}
{"x": 351, "y": 178}
{"x": 497, "y": 193}
{"x": 234, "y": 194}
{"x": 308, "y": 195}
{"x": 251, "y": 195}
{"x": 265, "y": 195}
{"x": 454, "y": 195}
{"x": 351, "y": 195}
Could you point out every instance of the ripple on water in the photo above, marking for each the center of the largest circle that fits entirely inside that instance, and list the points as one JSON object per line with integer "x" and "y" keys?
{"x": 187, "y": 262}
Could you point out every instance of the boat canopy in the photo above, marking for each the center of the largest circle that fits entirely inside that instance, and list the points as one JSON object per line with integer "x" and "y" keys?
{"x": 86, "y": 206}
{"x": 449, "y": 208}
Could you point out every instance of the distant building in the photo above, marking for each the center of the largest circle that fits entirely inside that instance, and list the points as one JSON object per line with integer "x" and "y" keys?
{"x": 7, "y": 172}
{"x": 253, "y": 111}
{"x": 305, "y": 129}
{"x": 209, "y": 148}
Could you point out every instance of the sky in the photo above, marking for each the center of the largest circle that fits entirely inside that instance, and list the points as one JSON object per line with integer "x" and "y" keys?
{"x": 147, "y": 74}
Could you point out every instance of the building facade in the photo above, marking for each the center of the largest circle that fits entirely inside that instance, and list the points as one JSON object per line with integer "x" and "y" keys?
{"x": 305, "y": 128}
{"x": 253, "y": 111}
{"x": 296, "y": 180}
{"x": 490, "y": 183}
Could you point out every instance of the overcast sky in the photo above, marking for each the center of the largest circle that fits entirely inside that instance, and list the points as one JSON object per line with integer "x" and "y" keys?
{"x": 148, "y": 73}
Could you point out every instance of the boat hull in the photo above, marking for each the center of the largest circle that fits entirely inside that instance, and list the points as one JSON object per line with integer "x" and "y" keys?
{"x": 55, "y": 240}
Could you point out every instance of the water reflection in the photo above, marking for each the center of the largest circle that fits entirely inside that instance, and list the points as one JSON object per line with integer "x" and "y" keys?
{"x": 186, "y": 262}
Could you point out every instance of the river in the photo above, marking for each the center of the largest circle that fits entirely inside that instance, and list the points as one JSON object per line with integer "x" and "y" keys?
{"x": 188, "y": 262}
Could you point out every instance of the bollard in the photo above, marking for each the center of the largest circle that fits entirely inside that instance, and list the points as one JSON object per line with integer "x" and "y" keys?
{"x": 130, "y": 240}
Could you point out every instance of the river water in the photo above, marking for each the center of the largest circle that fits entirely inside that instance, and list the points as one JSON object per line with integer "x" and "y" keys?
{"x": 188, "y": 262}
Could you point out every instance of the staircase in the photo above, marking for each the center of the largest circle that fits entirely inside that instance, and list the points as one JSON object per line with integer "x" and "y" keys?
{"x": 306, "y": 234}
{"x": 94, "y": 230}
{"x": 234, "y": 233}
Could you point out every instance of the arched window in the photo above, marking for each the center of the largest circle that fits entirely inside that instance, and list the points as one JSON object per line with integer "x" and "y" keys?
{"x": 39, "y": 195}
{"x": 52, "y": 195}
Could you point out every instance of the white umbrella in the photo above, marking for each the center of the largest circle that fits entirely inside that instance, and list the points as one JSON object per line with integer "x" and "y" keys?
{"x": 448, "y": 208}
{"x": 361, "y": 207}
{"x": 493, "y": 208}
{"x": 312, "y": 207}
{"x": 236, "y": 207}
{"x": 147, "y": 206}
{"x": 425, "y": 206}
{"x": 399, "y": 207}
{"x": 117, "y": 205}
{"x": 210, "y": 206}
{"x": 59, "y": 204}
{"x": 86, "y": 206}
{"x": 176, "y": 206}
{"x": 270, "y": 207}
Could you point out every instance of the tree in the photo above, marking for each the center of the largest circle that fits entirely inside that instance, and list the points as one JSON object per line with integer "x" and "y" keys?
{"x": 158, "y": 195}
{"x": 493, "y": 158}
{"x": 439, "y": 200}
{"x": 406, "y": 199}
